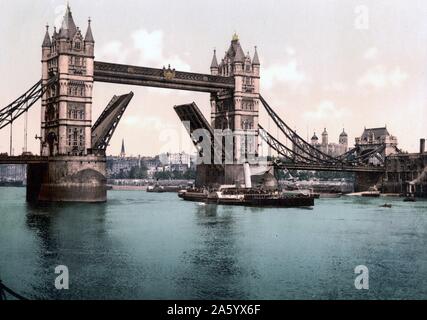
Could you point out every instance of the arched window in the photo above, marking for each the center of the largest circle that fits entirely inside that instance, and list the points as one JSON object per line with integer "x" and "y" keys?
{"x": 75, "y": 137}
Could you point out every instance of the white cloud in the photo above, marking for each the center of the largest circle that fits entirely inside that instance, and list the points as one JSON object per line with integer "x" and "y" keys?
{"x": 397, "y": 77}
{"x": 335, "y": 87}
{"x": 379, "y": 77}
{"x": 326, "y": 110}
{"x": 153, "y": 123}
{"x": 150, "y": 44}
{"x": 289, "y": 73}
{"x": 371, "y": 53}
{"x": 59, "y": 15}
{"x": 290, "y": 51}
{"x": 113, "y": 51}
{"x": 147, "y": 50}
{"x": 147, "y": 46}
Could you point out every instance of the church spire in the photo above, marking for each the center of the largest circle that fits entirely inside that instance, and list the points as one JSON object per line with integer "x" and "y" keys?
{"x": 123, "y": 152}
{"x": 47, "y": 43}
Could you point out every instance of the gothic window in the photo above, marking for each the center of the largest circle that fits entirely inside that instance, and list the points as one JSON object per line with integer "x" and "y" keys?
{"x": 50, "y": 114}
{"x": 76, "y": 111}
{"x": 77, "y": 45}
{"x": 81, "y": 138}
{"x": 75, "y": 137}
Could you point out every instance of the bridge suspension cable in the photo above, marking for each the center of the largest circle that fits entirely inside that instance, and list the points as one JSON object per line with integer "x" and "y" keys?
{"x": 305, "y": 153}
{"x": 299, "y": 143}
{"x": 22, "y": 104}
{"x": 281, "y": 149}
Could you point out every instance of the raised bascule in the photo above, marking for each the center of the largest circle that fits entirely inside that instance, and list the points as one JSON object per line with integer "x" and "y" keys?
{"x": 72, "y": 163}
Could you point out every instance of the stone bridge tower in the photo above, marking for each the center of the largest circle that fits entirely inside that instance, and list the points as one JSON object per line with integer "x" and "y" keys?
{"x": 238, "y": 110}
{"x": 66, "y": 111}
{"x": 73, "y": 172}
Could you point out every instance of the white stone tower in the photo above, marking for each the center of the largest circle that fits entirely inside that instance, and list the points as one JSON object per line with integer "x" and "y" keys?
{"x": 66, "y": 117}
{"x": 325, "y": 138}
{"x": 238, "y": 111}
{"x": 343, "y": 140}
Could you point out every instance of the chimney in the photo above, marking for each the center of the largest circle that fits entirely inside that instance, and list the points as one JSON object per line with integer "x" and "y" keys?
{"x": 422, "y": 145}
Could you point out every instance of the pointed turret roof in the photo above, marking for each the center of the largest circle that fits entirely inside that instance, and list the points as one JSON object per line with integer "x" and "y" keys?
{"x": 343, "y": 133}
{"x": 235, "y": 52}
{"x": 47, "y": 42}
{"x": 89, "y": 35}
{"x": 255, "y": 61}
{"x": 68, "y": 28}
{"x": 314, "y": 137}
{"x": 55, "y": 33}
{"x": 214, "y": 63}
{"x": 240, "y": 55}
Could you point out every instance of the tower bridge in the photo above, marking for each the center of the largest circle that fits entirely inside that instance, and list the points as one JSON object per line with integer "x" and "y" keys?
{"x": 72, "y": 163}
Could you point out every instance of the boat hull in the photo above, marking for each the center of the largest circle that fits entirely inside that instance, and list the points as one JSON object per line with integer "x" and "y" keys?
{"x": 252, "y": 200}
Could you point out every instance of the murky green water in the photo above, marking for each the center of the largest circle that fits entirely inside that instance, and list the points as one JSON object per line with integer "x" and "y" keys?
{"x": 155, "y": 246}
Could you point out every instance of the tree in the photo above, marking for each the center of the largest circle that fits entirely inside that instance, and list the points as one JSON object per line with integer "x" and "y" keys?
{"x": 138, "y": 172}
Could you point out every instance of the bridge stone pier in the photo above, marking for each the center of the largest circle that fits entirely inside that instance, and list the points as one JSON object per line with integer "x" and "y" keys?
{"x": 68, "y": 179}
{"x": 366, "y": 180}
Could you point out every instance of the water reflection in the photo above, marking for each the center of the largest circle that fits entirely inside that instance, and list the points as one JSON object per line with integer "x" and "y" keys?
{"x": 214, "y": 271}
{"x": 74, "y": 235}
{"x": 154, "y": 246}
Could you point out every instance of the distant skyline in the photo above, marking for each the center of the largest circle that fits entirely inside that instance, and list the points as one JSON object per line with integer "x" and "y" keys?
{"x": 324, "y": 63}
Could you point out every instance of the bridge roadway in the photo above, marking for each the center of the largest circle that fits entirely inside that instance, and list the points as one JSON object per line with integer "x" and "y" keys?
{"x": 160, "y": 78}
{"x": 330, "y": 168}
{"x": 22, "y": 159}
{"x": 289, "y": 165}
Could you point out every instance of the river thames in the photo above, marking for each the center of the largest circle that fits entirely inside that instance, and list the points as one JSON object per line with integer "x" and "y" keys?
{"x": 155, "y": 246}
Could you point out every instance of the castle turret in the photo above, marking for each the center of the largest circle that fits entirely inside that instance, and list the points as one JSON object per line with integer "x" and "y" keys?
{"x": 325, "y": 138}
{"x": 255, "y": 62}
{"x": 343, "y": 139}
{"x": 47, "y": 43}
{"x": 214, "y": 65}
{"x": 314, "y": 139}
{"x": 89, "y": 41}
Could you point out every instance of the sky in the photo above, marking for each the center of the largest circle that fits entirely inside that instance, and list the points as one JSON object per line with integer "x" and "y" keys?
{"x": 324, "y": 63}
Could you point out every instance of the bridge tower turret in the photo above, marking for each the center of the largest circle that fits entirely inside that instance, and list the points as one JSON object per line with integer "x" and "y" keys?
{"x": 238, "y": 110}
{"x": 67, "y": 105}
{"x": 214, "y": 65}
